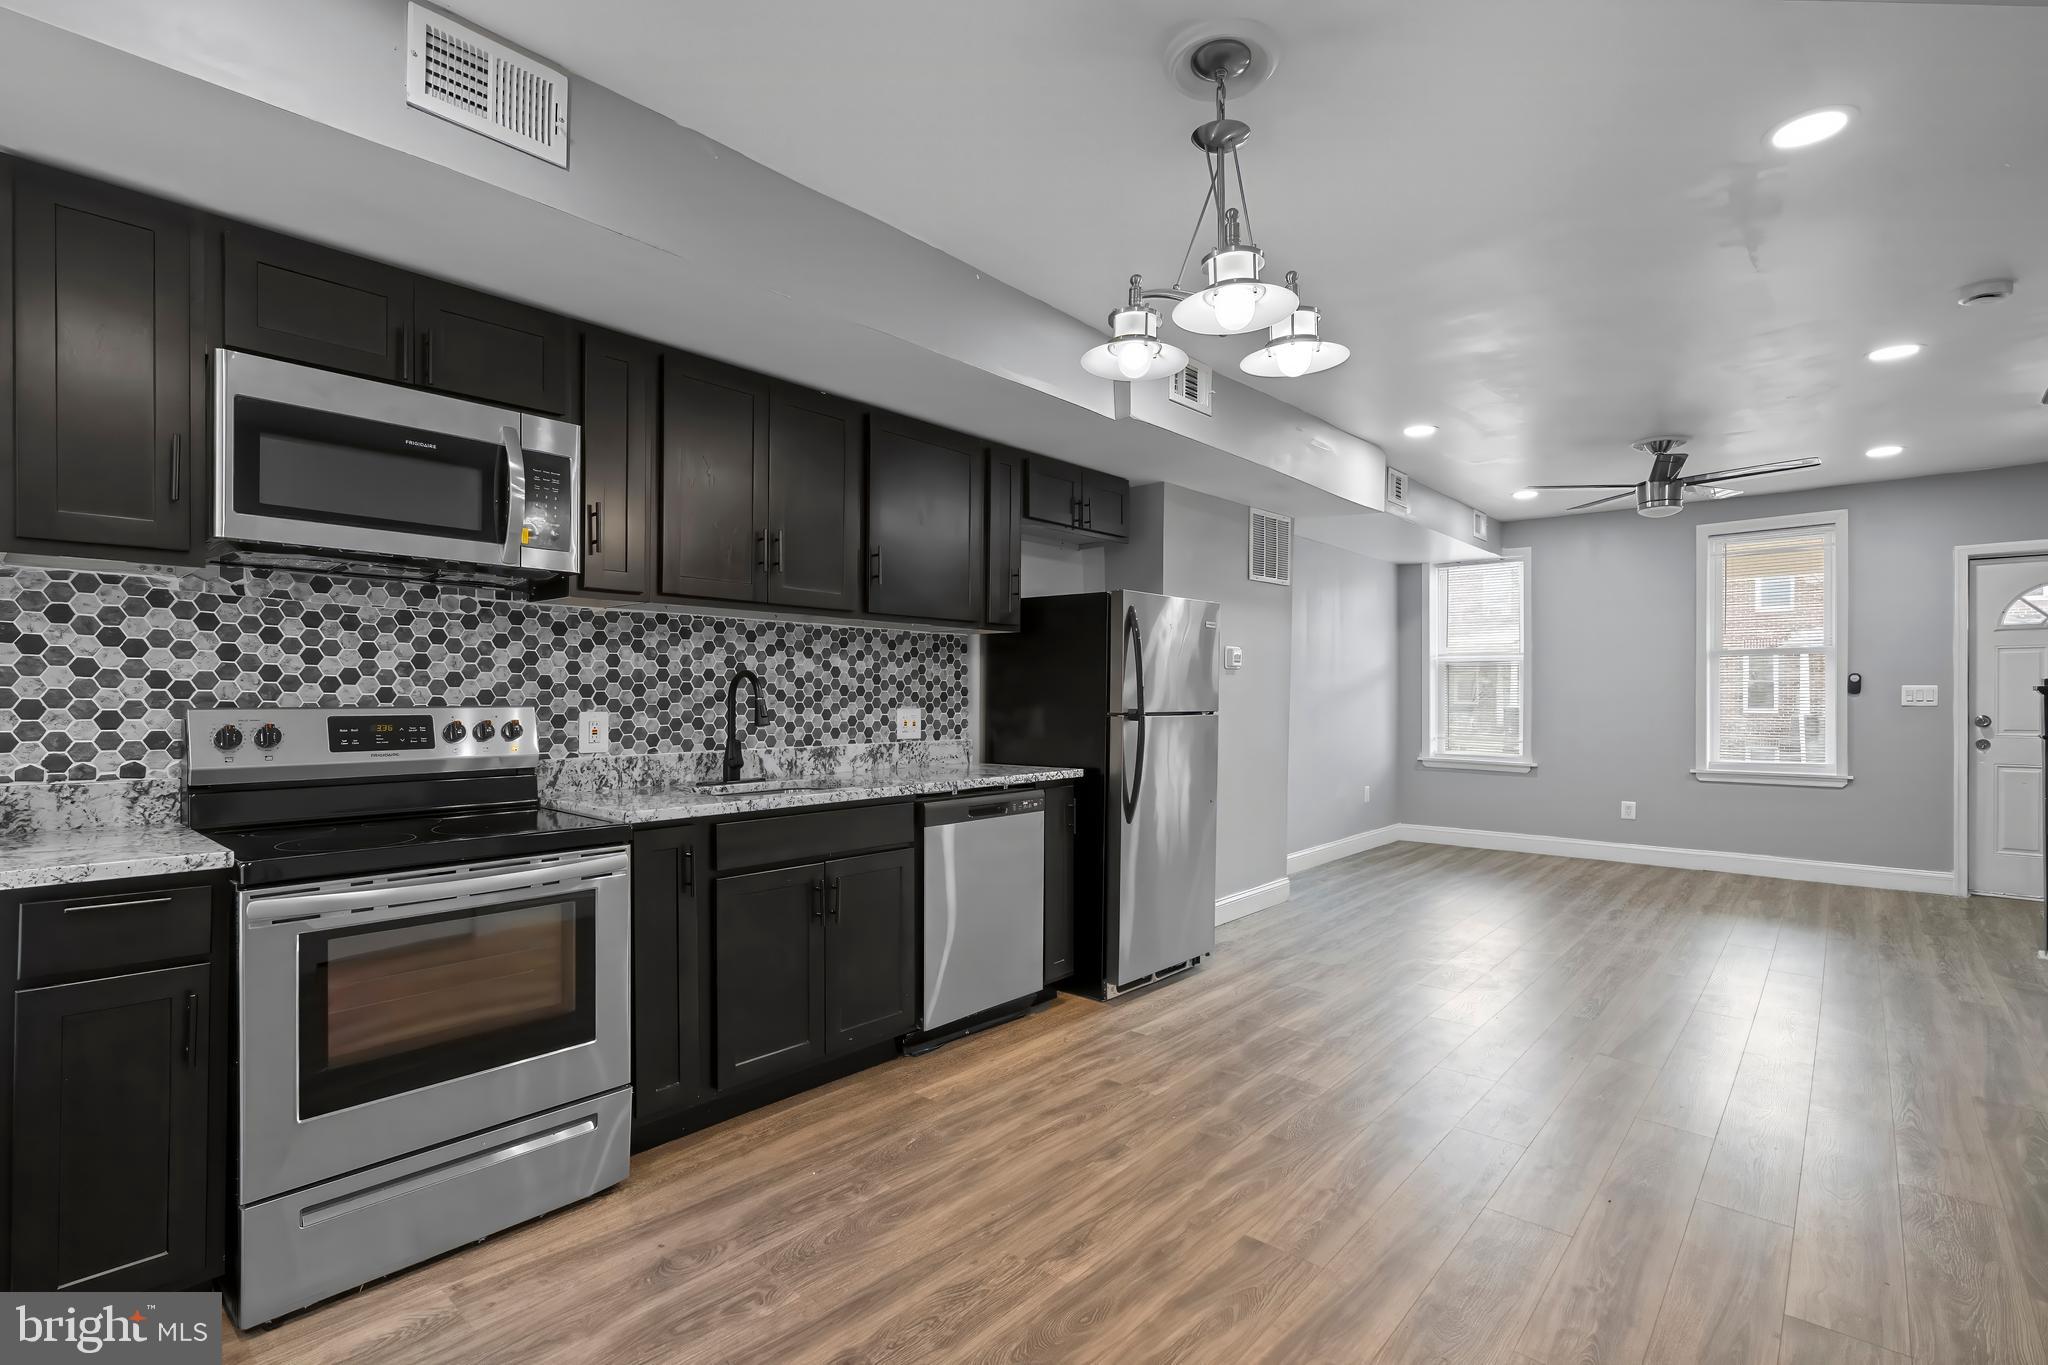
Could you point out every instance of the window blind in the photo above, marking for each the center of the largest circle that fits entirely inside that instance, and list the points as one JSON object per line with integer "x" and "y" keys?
{"x": 1480, "y": 660}
{"x": 1770, "y": 656}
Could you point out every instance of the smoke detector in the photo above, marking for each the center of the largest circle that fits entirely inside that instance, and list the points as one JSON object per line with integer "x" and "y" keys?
{"x": 1984, "y": 291}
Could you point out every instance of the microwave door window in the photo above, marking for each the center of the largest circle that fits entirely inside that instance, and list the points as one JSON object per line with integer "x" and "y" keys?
{"x": 300, "y": 464}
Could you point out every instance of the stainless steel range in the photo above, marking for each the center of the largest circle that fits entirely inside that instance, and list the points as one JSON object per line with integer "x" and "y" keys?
{"x": 433, "y": 987}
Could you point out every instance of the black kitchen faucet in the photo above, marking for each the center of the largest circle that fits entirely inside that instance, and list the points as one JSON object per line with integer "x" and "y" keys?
{"x": 733, "y": 764}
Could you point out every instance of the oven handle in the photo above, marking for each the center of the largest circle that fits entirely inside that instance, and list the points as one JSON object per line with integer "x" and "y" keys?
{"x": 515, "y": 496}
{"x": 361, "y": 904}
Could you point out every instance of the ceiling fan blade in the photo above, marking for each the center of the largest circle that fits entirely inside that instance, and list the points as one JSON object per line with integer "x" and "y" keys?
{"x": 1567, "y": 487}
{"x": 1749, "y": 471}
{"x": 1612, "y": 497}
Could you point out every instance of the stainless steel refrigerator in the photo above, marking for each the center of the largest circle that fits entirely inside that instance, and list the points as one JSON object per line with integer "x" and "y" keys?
{"x": 1123, "y": 684}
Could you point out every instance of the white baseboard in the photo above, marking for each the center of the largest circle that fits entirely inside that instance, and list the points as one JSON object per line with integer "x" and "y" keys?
{"x": 1698, "y": 859}
{"x": 1238, "y": 904}
{"x": 1318, "y": 854}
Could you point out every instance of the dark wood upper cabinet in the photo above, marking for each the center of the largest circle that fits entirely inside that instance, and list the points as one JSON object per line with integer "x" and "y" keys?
{"x": 768, "y": 973}
{"x": 103, "y": 450}
{"x": 619, "y": 439}
{"x": 1005, "y": 586}
{"x": 671, "y": 971}
{"x": 925, "y": 521}
{"x": 1052, "y": 491}
{"x": 110, "y": 1132}
{"x": 481, "y": 346}
{"x": 815, "y": 448}
{"x": 1106, "y": 505}
{"x": 714, "y": 480}
{"x": 298, "y": 301}
{"x": 871, "y": 983}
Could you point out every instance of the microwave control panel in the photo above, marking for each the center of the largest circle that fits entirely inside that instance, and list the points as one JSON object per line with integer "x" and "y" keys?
{"x": 550, "y": 517}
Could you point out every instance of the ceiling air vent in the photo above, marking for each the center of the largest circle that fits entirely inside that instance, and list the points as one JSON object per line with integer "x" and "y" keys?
{"x": 1193, "y": 387}
{"x": 488, "y": 87}
{"x": 1479, "y": 526}
{"x": 1397, "y": 491}
{"x": 1272, "y": 548}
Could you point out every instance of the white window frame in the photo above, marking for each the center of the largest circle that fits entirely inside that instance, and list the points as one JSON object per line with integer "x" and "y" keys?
{"x": 1707, "y": 604}
{"x": 1434, "y": 756}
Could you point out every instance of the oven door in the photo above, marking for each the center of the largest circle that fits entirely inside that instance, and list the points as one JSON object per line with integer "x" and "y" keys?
{"x": 305, "y": 459}
{"x": 384, "y": 1015}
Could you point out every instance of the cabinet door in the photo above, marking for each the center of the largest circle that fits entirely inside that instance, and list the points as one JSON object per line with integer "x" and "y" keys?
{"x": 1106, "y": 504}
{"x": 714, "y": 480}
{"x": 103, "y": 366}
{"x": 1061, "y": 817}
{"x": 298, "y": 301}
{"x": 768, "y": 973}
{"x": 1005, "y": 587}
{"x": 485, "y": 347}
{"x": 871, "y": 984}
{"x": 618, "y": 464}
{"x": 110, "y": 1132}
{"x": 815, "y": 444}
{"x": 925, "y": 521}
{"x": 1052, "y": 491}
{"x": 671, "y": 972}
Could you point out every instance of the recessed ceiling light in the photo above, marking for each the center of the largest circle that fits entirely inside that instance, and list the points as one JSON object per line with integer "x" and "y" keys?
{"x": 1524, "y": 494}
{"x": 1884, "y": 452}
{"x": 1901, "y": 350}
{"x": 1419, "y": 430}
{"x": 1816, "y": 125}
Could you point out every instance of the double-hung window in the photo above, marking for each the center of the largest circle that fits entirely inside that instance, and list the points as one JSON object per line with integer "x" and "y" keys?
{"x": 1770, "y": 664}
{"x": 1479, "y": 664}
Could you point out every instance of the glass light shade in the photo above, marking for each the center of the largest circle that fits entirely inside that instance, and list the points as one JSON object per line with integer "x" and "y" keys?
{"x": 1293, "y": 348}
{"x": 1235, "y": 299}
{"x": 1134, "y": 350}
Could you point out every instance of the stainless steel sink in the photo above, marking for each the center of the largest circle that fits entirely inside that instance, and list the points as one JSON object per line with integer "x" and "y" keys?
{"x": 754, "y": 784}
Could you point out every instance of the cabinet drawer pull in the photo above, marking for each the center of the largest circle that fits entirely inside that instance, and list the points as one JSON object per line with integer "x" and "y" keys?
{"x": 594, "y": 516}
{"x": 426, "y": 357}
{"x": 818, "y": 900}
{"x": 878, "y": 563}
{"x": 832, "y": 904}
{"x": 135, "y": 903}
{"x": 761, "y": 550}
{"x": 177, "y": 466}
{"x": 778, "y": 549}
{"x": 689, "y": 869}
{"x": 191, "y": 1027}
{"x": 1087, "y": 512}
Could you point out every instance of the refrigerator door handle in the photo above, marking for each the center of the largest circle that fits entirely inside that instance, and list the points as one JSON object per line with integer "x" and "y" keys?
{"x": 1134, "y": 645}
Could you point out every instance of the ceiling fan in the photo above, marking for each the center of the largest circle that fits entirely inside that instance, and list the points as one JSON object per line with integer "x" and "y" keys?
{"x": 1666, "y": 490}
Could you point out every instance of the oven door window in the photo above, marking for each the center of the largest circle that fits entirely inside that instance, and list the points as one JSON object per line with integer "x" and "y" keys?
{"x": 304, "y": 465}
{"x": 393, "y": 1007}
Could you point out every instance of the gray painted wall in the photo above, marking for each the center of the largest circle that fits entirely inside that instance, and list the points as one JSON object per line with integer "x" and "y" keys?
{"x": 1341, "y": 726}
{"x": 1612, "y": 611}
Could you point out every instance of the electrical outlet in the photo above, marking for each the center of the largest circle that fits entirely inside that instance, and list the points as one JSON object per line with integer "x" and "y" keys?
{"x": 1628, "y": 810}
{"x": 1368, "y": 796}
{"x": 1920, "y": 694}
{"x": 908, "y": 722}
{"x": 594, "y": 732}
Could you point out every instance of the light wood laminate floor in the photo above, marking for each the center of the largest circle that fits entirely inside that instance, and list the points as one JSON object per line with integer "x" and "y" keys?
{"x": 1442, "y": 1105}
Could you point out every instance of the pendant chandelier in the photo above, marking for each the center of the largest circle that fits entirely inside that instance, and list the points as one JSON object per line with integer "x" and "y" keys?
{"x": 1232, "y": 298}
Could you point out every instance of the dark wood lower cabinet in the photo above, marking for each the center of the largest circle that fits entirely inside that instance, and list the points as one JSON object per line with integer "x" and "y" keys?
{"x": 111, "y": 1131}
{"x": 871, "y": 985}
{"x": 1061, "y": 825}
{"x": 671, "y": 971}
{"x": 768, "y": 973}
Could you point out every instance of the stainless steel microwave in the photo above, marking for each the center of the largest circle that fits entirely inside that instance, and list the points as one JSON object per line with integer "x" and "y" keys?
{"x": 309, "y": 460}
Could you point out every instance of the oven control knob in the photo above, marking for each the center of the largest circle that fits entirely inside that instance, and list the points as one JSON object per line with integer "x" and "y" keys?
{"x": 227, "y": 737}
{"x": 484, "y": 730}
{"x": 268, "y": 736}
{"x": 513, "y": 730}
{"x": 453, "y": 731}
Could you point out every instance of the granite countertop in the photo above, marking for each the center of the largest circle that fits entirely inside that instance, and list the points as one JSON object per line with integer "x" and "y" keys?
{"x": 61, "y": 833}
{"x": 652, "y": 805}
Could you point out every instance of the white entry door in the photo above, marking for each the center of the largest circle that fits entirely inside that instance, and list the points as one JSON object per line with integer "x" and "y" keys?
{"x": 2008, "y": 660}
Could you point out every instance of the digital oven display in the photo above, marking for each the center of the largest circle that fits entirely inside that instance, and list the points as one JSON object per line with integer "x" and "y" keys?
{"x": 352, "y": 734}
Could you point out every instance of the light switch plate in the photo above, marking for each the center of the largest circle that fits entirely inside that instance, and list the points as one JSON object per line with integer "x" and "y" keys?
{"x": 1233, "y": 658}
{"x": 1628, "y": 810}
{"x": 1920, "y": 694}
{"x": 594, "y": 732}
{"x": 908, "y": 722}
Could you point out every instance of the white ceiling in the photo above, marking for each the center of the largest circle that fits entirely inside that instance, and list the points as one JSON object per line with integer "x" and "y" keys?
{"x": 1550, "y": 226}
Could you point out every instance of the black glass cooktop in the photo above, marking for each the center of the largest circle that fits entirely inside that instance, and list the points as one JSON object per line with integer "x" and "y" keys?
{"x": 281, "y": 853}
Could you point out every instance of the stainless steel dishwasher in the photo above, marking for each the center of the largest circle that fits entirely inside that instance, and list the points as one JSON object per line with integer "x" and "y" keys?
{"x": 984, "y": 906}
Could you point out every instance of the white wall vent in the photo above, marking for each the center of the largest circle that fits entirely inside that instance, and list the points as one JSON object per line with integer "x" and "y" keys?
{"x": 1193, "y": 387}
{"x": 488, "y": 87}
{"x": 1479, "y": 525}
{"x": 1397, "y": 492}
{"x": 1272, "y": 548}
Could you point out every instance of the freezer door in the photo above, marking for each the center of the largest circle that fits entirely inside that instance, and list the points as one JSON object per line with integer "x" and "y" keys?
{"x": 1166, "y": 891}
{"x": 1166, "y": 654}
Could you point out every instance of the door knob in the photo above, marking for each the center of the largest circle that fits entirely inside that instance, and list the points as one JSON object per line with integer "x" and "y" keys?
{"x": 1983, "y": 744}
{"x": 1981, "y": 722}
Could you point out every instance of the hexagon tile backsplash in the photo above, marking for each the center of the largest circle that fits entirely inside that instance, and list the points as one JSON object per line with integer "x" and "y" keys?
{"x": 98, "y": 668}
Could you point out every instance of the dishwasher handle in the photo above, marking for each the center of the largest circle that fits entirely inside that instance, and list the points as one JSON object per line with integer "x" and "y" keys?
{"x": 964, "y": 809}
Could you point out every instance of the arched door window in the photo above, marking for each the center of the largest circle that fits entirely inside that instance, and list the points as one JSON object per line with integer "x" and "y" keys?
{"x": 2030, "y": 608}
